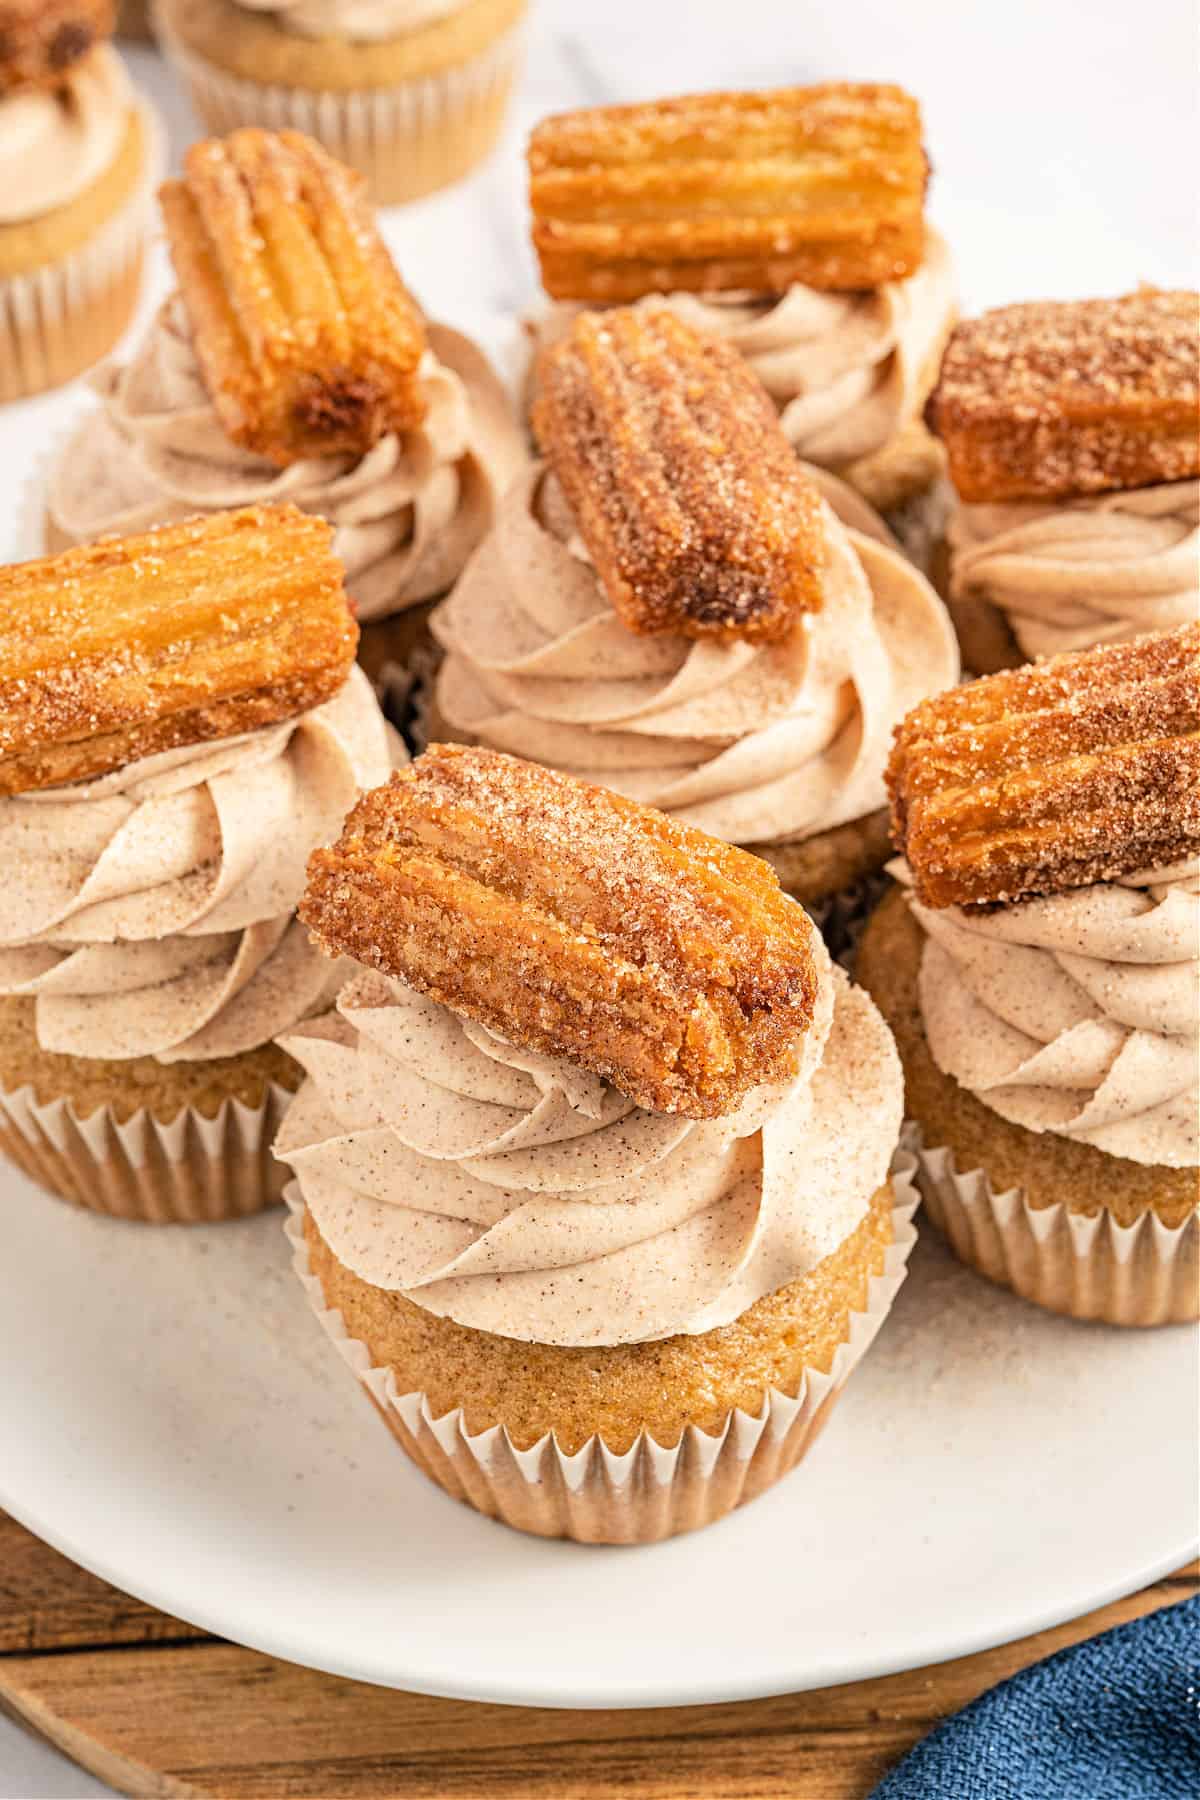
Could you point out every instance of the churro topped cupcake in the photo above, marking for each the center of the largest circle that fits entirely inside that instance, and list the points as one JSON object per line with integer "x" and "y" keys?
{"x": 789, "y": 222}
{"x": 1073, "y": 438}
{"x": 673, "y": 605}
{"x": 594, "y": 1152}
{"x": 1041, "y": 973}
{"x": 410, "y": 92}
{"x": 305, "y": 372}
{"x": 78, "y": 157}
{"x": 182, "y": 723}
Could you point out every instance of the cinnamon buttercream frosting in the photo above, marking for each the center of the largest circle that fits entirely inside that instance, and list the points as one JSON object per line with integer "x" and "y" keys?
{"x": 360, "y": 21}
{"x": 406, "y": 515}
{"x": 519, "y": 1195}
{"x": 1077, "y": 1014}
{"x": 54, "y": 143}
{"x": 848, "y": 371}
{"x": 753, "y": 742}
{"x": 1068, "y": 574}
{"x": 151, "y": 911}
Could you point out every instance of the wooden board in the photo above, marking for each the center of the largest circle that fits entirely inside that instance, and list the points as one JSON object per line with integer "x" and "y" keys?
{"x": 155, "y": 1708}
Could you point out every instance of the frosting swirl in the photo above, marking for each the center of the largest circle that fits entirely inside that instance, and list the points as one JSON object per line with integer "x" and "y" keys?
{"x": 362, "y": 21}
{"x": 54, "y": 143}
{"x": 1077, "y": 1014}
{"x": 150, "y": 911}
{"x": 1068, "y": 574}
{"x": 406, "y": 515}
{"x": 519, "y": 1195}
{"x": 752, "y": 742}
{"x": 847, "y": 371}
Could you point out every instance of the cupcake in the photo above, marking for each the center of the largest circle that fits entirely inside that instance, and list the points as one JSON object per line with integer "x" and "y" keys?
{"x": 410, "y": 92}
{"x": 1071, "y": 433}
{"x": 182, "y": 723}
{"x": 1040, "y": 971}
{"x": 82, "y": 154}
{"x": 592, "y": 1163}
{"x": 338, "y": 396}
{"x": 791, "y": 224}
{"x": 750, "y": 710}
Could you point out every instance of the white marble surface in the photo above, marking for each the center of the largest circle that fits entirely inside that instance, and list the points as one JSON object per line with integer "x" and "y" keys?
{"x": 1063, "y": 138}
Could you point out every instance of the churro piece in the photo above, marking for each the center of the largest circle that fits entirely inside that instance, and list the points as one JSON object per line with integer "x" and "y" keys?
{"x": 574, "y": 923}
{"x": 308, "y": 340}
{"x": 1080, "y": 769}
{"x": 42, "y": 40}
{"x": 685, "y": 489}
{"x": 133, "y": 645}
{"x": 824, "y": 185}
{"x": 1057, "y": 397}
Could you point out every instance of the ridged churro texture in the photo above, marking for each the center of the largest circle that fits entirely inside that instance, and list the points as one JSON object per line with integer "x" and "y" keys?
{"x": 823, "y": 185}
{"x": 687, "y": 494}
{"x": 42, "y": 40}
{"x": 1060, "y": 397}
{"x": 574, "y": 923}
{"x": 308, "y": 340}
{"x": 134, "y": 645}
{"x": 1080, "y": 769}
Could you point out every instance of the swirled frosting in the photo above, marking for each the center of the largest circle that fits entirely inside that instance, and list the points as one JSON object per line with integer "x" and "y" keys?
{"x": 847, "y": 371}
{"x": 406, "y": 515}
{"x": 55, "y": 143}
{"x": 361, "y": 21}
{"x": 1077, "y": 1014}
{"x": 1068, "y": 574}
{"x": 150, "y": 911}
{"x": 519, "y": 1195}
{"x": 752, "y": 742}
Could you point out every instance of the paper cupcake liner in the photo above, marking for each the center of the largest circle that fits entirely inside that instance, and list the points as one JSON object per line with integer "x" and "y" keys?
{"x": 1084, "y": 1265}
{"x": 408, "y": 139}
{"x": 57, "y": 321}
{"x": 596, "y": 1495}
{"x": 192, "y": 1171}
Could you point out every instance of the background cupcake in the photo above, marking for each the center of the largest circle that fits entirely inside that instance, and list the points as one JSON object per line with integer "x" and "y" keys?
{"x": 845, "y": 329}
{"x": 1042, "y": 976}
{"x": 79, "y": 157}
{"x": 777, "y": 743}
{"x": 1071, "y": 429}
{"x": 602, "y": 1215}
{"x": 149, "y": 952}
{"x": 411, "y": 92}
{"x": 408, "y": 470}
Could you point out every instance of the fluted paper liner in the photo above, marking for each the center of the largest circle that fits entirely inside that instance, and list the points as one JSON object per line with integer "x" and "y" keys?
{"x": 57, "y": 321}
{"x": 408, "y": 139}
{"x": 1084, "y": 1265}
{"x": 192, "y": 1171}
{"x": 646, "y": 1493}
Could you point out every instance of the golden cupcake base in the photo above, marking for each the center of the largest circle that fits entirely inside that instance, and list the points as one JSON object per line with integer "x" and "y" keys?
{"x": 621, "y": 1485}
{"x": 161, "y": 1143}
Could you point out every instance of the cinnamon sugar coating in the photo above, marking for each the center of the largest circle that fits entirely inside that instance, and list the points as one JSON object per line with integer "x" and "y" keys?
{"x": 575, "y": 923}
{"x": 686, "y": 491}
{"x": 129, "y": 646}
{"x": 309, "y": 342}
{"x": 1079, "y": 769}
{"x": 1058, "y": 397}
{"x": 823, "y": 185}
{"x": 42, "y": 40}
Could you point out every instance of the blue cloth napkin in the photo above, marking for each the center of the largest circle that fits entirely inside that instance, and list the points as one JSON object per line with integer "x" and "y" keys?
{"x": 1116, "y": 1718}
